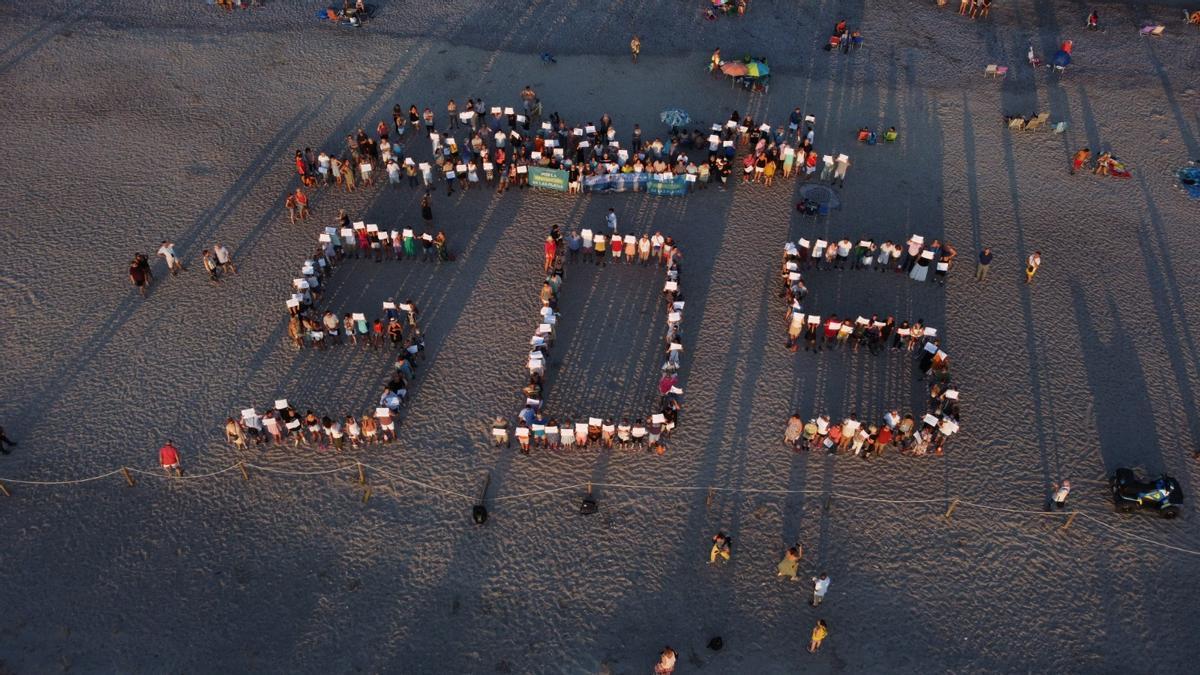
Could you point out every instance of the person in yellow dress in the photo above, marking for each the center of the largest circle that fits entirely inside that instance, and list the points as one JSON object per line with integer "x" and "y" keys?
{"x": 635, "y": 47}
{"x": 819, "y": 633}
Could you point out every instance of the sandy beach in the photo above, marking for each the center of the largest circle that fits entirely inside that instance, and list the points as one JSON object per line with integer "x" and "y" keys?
{"x": 128, "y": 123}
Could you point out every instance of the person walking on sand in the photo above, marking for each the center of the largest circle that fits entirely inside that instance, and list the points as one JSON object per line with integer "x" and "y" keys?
{"x": 635, "y": 47}
{"x": 1031, "y": 266}
{"x": 720, "y": 548}
{"x": 790, "y": 565}
{"x": 819, "y": 633}
{"x": 985, "y": 261}
{"x": 224, "y": 259}
{"x": 550, "y": 249}
{"x": 137, "y": 276}
{"x": 210, "y": 266}
{"x": 168, "y": 457}
{"x": 820, "y": 588}
{"x": 839, "y": 173}
{"x": 666, "y": 662}
{"x": 1080, "y": 159}
{"x": 167, "y": 251}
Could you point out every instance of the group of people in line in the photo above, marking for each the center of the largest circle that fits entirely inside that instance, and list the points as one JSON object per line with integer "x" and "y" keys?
{"x": 914, "y": 257}
{"x": 474, "y": 145}
{"x": 535, "y": 428}
{"x": 283, "y": 424}
{"x": 908, "y": 434}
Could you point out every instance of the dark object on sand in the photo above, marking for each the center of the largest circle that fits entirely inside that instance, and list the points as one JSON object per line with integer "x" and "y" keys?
{"x": 479, "y": 512}
{"x": 716, "y": 643}
{"x": 547, "y": 57}
{"x": 1131, "y": 492}
{"x": 588, "y": 506}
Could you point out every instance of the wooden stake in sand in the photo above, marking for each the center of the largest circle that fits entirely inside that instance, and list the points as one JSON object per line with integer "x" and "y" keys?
{"x": 366, "y": 494}
{"x": 950, "y": 511}
{"x": 245, "y": 474}
{"x": 128, "y": 477}
{"x": 1070, "y": 519}
{"x": 4, "y": 490}
{"x": 362, "y": 476}
{"x": 709, "y": 499}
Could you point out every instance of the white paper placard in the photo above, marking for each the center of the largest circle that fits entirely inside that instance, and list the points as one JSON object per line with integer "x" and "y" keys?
{"x": 690, "y": 178}
{"x": 300, "y": 283}
{"x": 347, "y": 233}
{"x": 499, "y": 433}
{"x": 765, "y": 127}
{"x": 389, "y": 305}
{"x": 671, "y": 286}
{"x": 535, "y": 155}
{"x": 917, "y": 239}
{"x": 508, "y": 110}
{"x": 590, "y": 129}
{"x": 546, "y": 126}
{"x": 544, "y": 328}
{"x": 930, "y": 332}
{"x": 522, "y": 169}
{"x": 939, "y": 354}
{"x": 927, "y": 255}
{"x": 804, "y": 243}
{"x": 358, "y": 225}
{"x": 522, "y": 432}
{"x": 727, "y": 144}
{"x": 324, "y": 238}
{"x": 495, "y": 110}
{"x": 674, "y": 317}
{"x": 658, "y": 418}
{"x": 558, "y": 152}
{"x": 585, "y": 144}
{"x": 929, "y": 419}
{"x": 931, "y": 348}
{"x": 466, "y": 116}
{"x": 814, "y": 319}
{"x": 372, "y": 228}
{"x": 293, "y": 303}
{"x": 676, "y": 347}
{"x": 294, "y": 424}
{"x": 595, "y": 421}
{"x": 425, "y": 236}
{"x": 249, "y": 412}
{"x": 460, "y": 167}
{"x": 678, "y": 305}
{"x": 382, "y": 411}
{"x": 952, "y": 394}
{"x": 520, "y": 118}
{"x": 488, "y": 166}
{"x": 793, "y": 276}
{"x": 423, "y": 166}
{"x": 943, "y": 267}
{"x": 810, "y": 119}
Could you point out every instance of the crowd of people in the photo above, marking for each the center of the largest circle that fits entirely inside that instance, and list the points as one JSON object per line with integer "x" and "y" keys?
{"x": 904, "y": 433}
{"x": 475, "y": 145}
{"x": 913, "y": 257}
{"x": 312, "y": 325}
{"x": 283, "y": 424}
{"x": 535, "y": 427}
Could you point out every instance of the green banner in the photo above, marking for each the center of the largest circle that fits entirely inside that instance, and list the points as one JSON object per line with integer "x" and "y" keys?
{"x": 670, "y": 187}
{"x": 551, "y": 179}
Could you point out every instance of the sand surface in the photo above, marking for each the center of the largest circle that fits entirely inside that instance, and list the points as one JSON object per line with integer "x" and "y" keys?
{"x": 128, "y": 122}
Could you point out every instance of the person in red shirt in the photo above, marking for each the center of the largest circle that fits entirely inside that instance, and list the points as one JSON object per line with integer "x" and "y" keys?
{"x": 550, "y": 248}
{"x": 302, "y": 203}
{"x": 831, "y": 328}
{"x": 883, "y": 439}
{"x": 301, "y": 165}
{"x": 168, "y": 456}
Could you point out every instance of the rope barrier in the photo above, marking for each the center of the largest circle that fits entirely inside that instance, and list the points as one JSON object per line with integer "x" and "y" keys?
{"x": 954, "y": 501}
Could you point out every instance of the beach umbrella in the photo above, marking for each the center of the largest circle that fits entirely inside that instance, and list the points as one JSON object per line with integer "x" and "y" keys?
{"x": 674, "y": 117}
{"x": 733, "y": 68}
{"x": 821, "y": 194}
{"x": 757, "y": 69}
{"x": 1062, "y": 59}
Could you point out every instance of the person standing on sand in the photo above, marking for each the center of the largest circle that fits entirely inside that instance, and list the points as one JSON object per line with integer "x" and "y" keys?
{"x": 819, "y": 633}
{"x": 1031, "y": 266}
{"x": 168, "y": 457}
{"x": 167, "y": 251}
{"x": 720, "y": 548}
{"x": 790, "y": 565}
{"x": 302, "y": 204}
{"x": 138, "y": 277}
{"x": 839, "y": 174}
{"x": 6, "y": 443}
{"x": 666, "y": 662}
{"x": 820, "y": 588}
{"x": 985, "y": 261}
{"x": 550, "y": 248}
{"x": 1060, "y": 492}
{"x": 635, "y": 47}
{"x": 427, "y": 209}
